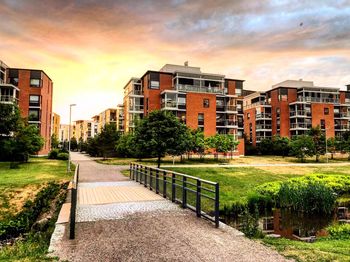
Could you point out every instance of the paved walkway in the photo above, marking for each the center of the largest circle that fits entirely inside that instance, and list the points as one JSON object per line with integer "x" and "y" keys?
{"x": 120, "y": 220}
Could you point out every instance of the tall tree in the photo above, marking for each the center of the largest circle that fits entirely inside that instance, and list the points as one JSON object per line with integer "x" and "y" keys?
{"x": 222, "y": 143}
{"x": 199, "y": 144}
{"x": 160, "y": 133}
{"x": 73, "y": 144}
{"x": 107, "y": 140}
{"x": 303, "y": 146}
{"x": 319, "y": 140}
{"x": 54, "y": 141}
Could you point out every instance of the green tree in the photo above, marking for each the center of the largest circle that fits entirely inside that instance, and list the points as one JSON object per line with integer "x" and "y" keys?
{"x": 199, "y": 144}
{"x": 332, "y": 145}
{"x": 27, "y": 141}
{"x": 302, "y": 147}
{"x": 125, "y": 147}
{"x": 73, "y": 144}
{"x": 159, "y": 133}
{"x": 222, "y": 143}
{"x": 54, "y": 141}
{"x": 265, "y": 146}
{"x": 319, "y": 140}
{"x": 107, "y": 140}
{"x": 184, "y": 142}
{"x": 10, "y": 119}
{"x": 281, "y": 145}
{"x": 92, "y": 146}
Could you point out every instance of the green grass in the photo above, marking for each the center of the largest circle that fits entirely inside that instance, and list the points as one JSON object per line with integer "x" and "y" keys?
{"x": 323, "y": 249}
{"x": 20, "y": 185}
{"x": 236, "y": 183}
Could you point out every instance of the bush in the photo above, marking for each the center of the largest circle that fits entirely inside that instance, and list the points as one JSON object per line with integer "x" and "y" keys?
{"x": 339, "y": 231}
{"x": 53, "y": 154}
{"x": 260, "y": 201}
{"x": 63, "y": 156}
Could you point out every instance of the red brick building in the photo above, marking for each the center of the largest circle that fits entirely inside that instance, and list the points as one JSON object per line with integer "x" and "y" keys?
{"x": 32, "y": 90}
{"x": 291, "y": 108}
{"x": 210, "y": 102}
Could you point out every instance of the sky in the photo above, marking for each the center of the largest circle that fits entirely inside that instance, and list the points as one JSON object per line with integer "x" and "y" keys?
{"x": 90, "y": 49}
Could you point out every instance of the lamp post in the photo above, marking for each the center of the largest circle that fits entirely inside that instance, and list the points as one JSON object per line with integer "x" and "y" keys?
{"x": 69, "y": 136}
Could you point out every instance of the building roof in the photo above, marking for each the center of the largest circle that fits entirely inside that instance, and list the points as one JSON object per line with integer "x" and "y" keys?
{"x": 29, "y": 69}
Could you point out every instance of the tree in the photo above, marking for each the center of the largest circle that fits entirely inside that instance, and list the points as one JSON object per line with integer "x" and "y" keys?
{"x": 10, "y": 119}
{"x": 265, "y": 146}
{"x": 107, "y": 140}
{"x": 73, "y": 144}
{"x": 184, "y": 142}
{"x": 92, "y": 146}
{"x": 319, "y": 140}
{"x": 198, "y": 145}
{"x": 126, "y": 146}
{"x": 27, "y": 141}
{"x": 332, "y": 145}
{"x": 54, "y": 141}
{"x": 222, "y": 143}
{"x": 302, "y": 147}
{"x": 281, "y": 145}
{"x": 159, "y": 133}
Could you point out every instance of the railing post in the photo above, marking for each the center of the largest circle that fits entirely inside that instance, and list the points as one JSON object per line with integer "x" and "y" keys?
{"x": 184, "y": 192}
{"x": 130, "y": 170}
{"x": 164, "y": 184}
{"x": 217, "y": 222}
{"x": 157, "y": 181}
{"x": 137, "y": 173}
{"x": 145, "y": 177}
{"x": 150, "y": 178}
{"x": 173, "y": 187}
{"x": 198, "y": 198}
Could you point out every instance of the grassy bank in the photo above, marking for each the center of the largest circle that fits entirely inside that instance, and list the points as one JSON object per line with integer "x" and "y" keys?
{"x": 236, "y": 183}
{"x": 19, "y": 191}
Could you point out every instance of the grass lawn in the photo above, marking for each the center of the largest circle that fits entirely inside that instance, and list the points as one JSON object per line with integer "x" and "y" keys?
{"x": 321, "y": 250}
{"x": 22, "y": 184}
{"x": 235, "y": 183}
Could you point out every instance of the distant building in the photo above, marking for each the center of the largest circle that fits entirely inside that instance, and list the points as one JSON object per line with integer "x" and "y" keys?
{"x": 63, "y": 133}
{"x": 108, "y": 116}
{"x": 292, "y": 107}
{"x": 32, "y": 91}
{"x": 56, "y": 120}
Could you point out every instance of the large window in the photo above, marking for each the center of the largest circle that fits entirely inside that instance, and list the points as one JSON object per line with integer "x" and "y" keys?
{"x": 35, "y": 82}
{"x": 200, "y": 119}
{"x": 153, "y": 80}
{"x": 283, "y": 94}
{"x": 34, "y": 100}
{"x": 34, "y": 115}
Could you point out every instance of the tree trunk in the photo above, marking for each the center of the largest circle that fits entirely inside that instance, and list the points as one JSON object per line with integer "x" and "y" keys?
{"x": 332, "y": 156}
{"x": 317, "y": 158}
{"x": 158, "y": 161}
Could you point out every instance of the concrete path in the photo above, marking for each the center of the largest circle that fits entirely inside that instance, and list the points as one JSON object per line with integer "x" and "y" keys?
{"x": 120, "y": 220}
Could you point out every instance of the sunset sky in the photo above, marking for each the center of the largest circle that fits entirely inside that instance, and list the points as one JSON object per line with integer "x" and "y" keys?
{"x": 90, "y": 49}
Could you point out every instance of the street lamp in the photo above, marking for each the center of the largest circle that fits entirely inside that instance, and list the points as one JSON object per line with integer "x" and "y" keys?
{"x": 69, "y": 136}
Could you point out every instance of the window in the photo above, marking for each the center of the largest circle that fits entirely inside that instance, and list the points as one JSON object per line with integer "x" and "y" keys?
{"x": 239, "y": 88}
{"x": 34, "y": 100}
{"x": 248, "y": 115}
{"x": 33, "y": 115}
{"x": 35, "y": 82}
{"x": 326, "y": 111}
{"x": 154, "y": 80}
{"x": 278, "y": 111}
{"x": 323, "y": 124}
{"x": 283, "y": 94}
{"x": 206, "y": 103}
{"x": 200, "y": 119}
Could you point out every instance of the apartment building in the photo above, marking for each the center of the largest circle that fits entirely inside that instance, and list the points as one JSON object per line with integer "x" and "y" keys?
{"x": 108, "y": 116}
{"x": 55, "y": 126}
{"x": 84, "y": 129}
{"x": 63, "y": 133}
{"x": 292, "y": 107}
{"x": 207, "y": 101}
{"x": 120, "y": 117}
{"x": 32, "y": 91}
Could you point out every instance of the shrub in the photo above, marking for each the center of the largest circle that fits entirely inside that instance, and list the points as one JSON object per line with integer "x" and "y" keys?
{"x": 62, "y": 156}
{"x": 261, "y": 201}
{"x": 53, "y": 154}
{"x": 339, "y": 231}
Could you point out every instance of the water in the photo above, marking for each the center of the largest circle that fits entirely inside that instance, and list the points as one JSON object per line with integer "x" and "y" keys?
{"x": 297, "y": 226}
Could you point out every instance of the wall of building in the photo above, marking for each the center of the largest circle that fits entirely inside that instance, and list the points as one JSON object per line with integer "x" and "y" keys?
{"x": 318, "y": 114}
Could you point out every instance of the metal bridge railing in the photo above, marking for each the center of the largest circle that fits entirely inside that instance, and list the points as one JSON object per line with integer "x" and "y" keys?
{"x": 198, "y": 195}
{"x": 73, "y": 207}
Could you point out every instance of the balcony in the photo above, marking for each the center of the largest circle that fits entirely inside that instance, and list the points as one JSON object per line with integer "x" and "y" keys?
{"x": 136, "y": 108}
{"x": 258, "y": 139}
{"x": 260, "y": 103}
{"x": 318, "y": 100}
{"x": 263, "y": 127}
{"x": 199, "y": 89}
{"x": 300, "y": 113}
{"x": 263, "y": 116}
{"x": 342, "y": 127}
{"x": 227, "y": 122}
{"x": 8, "y": 99}
{"x": 136, "y": 92}
{"x": 300, "y": 126}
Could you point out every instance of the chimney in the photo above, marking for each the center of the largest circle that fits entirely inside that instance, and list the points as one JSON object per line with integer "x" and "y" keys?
{"x": 186, "y": 63}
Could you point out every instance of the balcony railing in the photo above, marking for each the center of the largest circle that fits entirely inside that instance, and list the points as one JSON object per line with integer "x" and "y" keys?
{"x": 260, "y": 103}
{"x": 318, "y": 100}
{"x": 11, "y": 99}
{"x": 226, "y": 123}
{"x": 341, "y": 127}
{"x": 260, "y": 138}
{"x": 136, "y": 108}
{"x": 263, "y": 115}
{"x": 300, "y": 113}
{"x": 199, "y": 89}
{"x": 262, "y": 127}
{"x": 300, "y": 126}
{"x": 136, "y": 92}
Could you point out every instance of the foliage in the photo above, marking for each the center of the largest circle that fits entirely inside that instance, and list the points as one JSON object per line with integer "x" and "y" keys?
{"x": 125, "y": 146}
{"x": 332, "y": 146}
{"x": 73, "y": 144}
{"x": 309, "y": 197}
{"x": 159, "y": 133}
{"x": 319, "y": 140}
{"x": 280, "y": 146}
{"x": 63, "y": 156}
{"x": 198, "y": 145}
{"x": 183, "y": 143}
{"x": 22, "y": 222}
{"x": 92, "y": 147}
{"x": 250, "y": 225}
{"x": 339, "y": 231}
{"x": 265, "y": 147}
{"x": 54, "y": 141}
{"x": 107, "y": 139}
{"x": 302, "y": 146}
{"x": 53, "y": 153}
{"x": 222, "y": 143}
{"x": 10, "y": 119}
